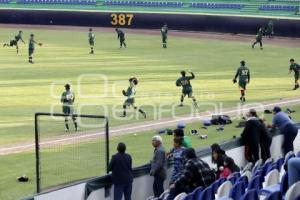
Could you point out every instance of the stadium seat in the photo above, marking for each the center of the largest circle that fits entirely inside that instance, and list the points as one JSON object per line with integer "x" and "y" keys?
{"x": 271, "y": 178}
{"x": 237, "y": 191}
{"x": 274, "y": 196}
{"x": 180, "y": 196}
{"x": 255, "y": 183}
{"x": 189, "y": 197}
{"x": 244, "y": 180}
{"x": 250, "y": 195}
{"x": 224, "y": 189}
{"x": 284, "y": 183}
{"x": 205, "y": 194}
{"x": 293, "y": 191}
{"x": 215, "y": 185}
{"x": 197, "y": 191}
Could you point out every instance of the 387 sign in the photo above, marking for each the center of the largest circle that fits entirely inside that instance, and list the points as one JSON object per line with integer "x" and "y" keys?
{"x": 121, "y": 19}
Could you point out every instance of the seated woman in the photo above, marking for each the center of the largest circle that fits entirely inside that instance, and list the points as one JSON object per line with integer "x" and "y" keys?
{"x": 229, "y": 168}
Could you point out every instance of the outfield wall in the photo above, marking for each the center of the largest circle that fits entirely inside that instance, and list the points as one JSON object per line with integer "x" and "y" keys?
{"x": 142, "y": 186}
{"x": 289, "y": 27}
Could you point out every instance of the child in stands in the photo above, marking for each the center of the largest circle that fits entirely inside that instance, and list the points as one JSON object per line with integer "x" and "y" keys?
{"x": 229, "y": 168}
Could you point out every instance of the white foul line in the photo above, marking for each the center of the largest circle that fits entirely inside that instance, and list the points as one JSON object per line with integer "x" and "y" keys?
{"x": 2, "y": 151}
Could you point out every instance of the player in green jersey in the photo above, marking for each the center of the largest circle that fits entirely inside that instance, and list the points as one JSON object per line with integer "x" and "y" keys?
{"x": 243, "y": 73}
{"x": 15, "y": 41}
{"x": 91, "y": 40}
{"x": 296, "y": 68}
{"x": 121, "y": 37}
{"x": 258, "y": 38}
{"x": 31, "y": 48}
{"x": 130, "y": 97}
{"x": 164, "y": 35}
{"x": 187, "y": 89}
{"x": 67, "y": 99}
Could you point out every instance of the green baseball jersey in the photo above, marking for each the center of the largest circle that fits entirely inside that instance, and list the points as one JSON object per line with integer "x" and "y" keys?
{"x": 91, "y": 36}
{"x": 270, "y": 26}
{"x": 185, "y": 82}
{"x": 121, "y": 35}
{"x": 67, "y": 98}
{"x": 259, "y": 34}
{"x": 18, "y": 37}
{"x": 295, "y": 67}
{"x": 164, "y": 31}
{"x": 131, "y": 91}
{"x": 243, "y": 73}
{"x": 31, "y": 43}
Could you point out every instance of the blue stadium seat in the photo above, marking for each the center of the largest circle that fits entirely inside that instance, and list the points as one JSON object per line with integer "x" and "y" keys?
{"x": 237, "y": 191}
{"x": 274, "y": 196}
{"x": 243, "y": 179}
{"x": 255, "y": 183}
{"x": 206, "y": 194}
{"x": 250, "y": 195}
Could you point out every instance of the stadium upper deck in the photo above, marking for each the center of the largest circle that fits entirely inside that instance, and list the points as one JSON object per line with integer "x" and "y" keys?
{"x": 276, "y": 8}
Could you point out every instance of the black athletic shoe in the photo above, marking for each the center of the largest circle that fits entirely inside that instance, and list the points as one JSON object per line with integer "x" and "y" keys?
{"x": 180, "y": 105}
{"x": 244, "y": 99}
{"x": 144, "y": 115}
{"x": 252, "y": 46}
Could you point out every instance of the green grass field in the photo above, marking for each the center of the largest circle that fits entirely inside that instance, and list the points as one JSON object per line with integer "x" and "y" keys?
{"x": 27, "y": 88}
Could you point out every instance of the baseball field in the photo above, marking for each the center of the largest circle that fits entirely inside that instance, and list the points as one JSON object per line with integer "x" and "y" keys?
{"x": 99, "y": 79}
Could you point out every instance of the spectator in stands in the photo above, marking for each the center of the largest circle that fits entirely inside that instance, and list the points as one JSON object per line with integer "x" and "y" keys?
{"x": 265, "y": 137}
{"x": 229, "y": 168}
{"x": 122, "y": 178}
{"x": 176, "y": 154}
{"x": 196, "y": 173}
{"x": 286, "y": 127}
{"x": 179, "y": 133}
{"x": 158, "y": 166}
{"x": 217, "y": 157}
{"x": 293, "y": 170}
{"x": 251, "y": 136}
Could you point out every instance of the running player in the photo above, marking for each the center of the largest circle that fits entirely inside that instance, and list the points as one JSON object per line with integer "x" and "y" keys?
{"x": 130, "y": 95}
{"x": 187, "y": 89}
{"x": 15, "y": 41}
{"x": 296, "y": 68}
{"x": 258, "y": 38}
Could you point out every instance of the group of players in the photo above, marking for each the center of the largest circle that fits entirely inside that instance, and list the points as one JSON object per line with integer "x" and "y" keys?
{"x": 68, "y": 96}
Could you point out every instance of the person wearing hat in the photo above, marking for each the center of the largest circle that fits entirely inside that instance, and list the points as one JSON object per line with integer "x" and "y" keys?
{"x": 296, "y": 68}
{"x": 15, "y": 41}
{"x": 243, "y": 73}
{"x": 158, "y": 166}
{"x": 287, "y": 128}
{"x": 121, "y": 37}
{"x": 31, "y": 48}
{"x": 164, "y": 35}
{"x": 91, "y": 40}
{"x": 187, "y": 90}
{"x": 67, "y": 99}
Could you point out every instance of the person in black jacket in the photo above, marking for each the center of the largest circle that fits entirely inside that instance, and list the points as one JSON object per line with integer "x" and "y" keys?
{"x": 255, "y": 135}
{"x": 122, "y": 178}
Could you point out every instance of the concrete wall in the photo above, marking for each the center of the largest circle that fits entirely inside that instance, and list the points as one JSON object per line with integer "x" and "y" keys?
{"x": 142, "y": 186}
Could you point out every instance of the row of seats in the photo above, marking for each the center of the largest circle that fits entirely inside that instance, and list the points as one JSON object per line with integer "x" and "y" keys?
{"x": 268, "y": 181}
{"x": 77, "y": 2}
{"x": 143, "y": 3}
{"x": 5, "y": 1}
{"x": 217, "y": 5}
{"x": 279, "y": 7}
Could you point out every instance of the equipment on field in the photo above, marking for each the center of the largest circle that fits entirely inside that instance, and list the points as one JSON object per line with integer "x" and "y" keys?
{"x": 40, "y": 44}
{"x": 220, "y": 120}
